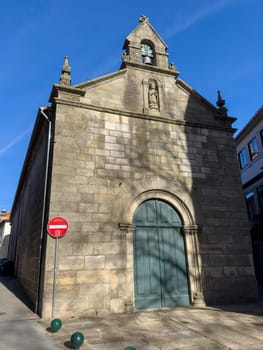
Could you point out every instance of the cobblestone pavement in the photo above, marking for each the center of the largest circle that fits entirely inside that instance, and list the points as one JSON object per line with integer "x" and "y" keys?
{"x": 231, "y": 327}
{"x": 19, "y": 328}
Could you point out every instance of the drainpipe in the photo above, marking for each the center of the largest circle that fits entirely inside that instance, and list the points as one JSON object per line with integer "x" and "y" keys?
{"x": 44, "y": 207}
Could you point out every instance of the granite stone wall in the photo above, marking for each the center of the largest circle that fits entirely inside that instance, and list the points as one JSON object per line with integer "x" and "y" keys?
{"x": 102, "y": 162}
{"x": 27, "y": 218}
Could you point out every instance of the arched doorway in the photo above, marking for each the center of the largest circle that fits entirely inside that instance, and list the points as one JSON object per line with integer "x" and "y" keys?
{"x": 160, "y": 274}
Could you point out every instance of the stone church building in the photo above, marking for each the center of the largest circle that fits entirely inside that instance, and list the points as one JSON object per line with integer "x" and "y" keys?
{"x": 144, "y": 169}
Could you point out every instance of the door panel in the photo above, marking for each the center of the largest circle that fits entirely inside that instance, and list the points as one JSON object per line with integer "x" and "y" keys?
{"x": 146, "y": 215}
{"x": 147, "y": 269}
{"x": 159, "y": 257}
{"x": 165, "y": 214}
{"x": 174, "y": 281}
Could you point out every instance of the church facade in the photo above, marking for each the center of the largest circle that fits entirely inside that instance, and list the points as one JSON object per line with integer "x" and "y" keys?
{"x": 144, "y": 170}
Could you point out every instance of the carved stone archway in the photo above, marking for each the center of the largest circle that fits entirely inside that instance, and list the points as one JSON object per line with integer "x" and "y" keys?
{"x": 191, "y": 245}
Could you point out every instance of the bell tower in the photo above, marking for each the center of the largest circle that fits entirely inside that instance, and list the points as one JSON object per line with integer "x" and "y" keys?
{"x": 144, "y": 46}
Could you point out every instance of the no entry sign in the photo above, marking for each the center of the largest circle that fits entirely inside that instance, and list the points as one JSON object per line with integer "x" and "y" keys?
{"x": 57, "y": 227}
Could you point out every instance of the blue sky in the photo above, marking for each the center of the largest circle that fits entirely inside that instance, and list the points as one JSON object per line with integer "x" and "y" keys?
{"x": 214, "y": 44}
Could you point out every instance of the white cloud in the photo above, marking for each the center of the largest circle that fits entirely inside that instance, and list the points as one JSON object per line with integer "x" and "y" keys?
{"x": 184, "y": 21}
{"x": 15, "y": 141}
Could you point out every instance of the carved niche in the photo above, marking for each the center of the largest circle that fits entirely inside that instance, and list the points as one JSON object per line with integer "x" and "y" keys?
{"x": 151, "y": 96}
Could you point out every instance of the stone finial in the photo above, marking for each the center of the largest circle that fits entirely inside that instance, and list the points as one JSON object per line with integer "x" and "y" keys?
{"x": 143, "y": 19}
{"x": 172, "y": 66}
{"x": 65, "y": 78}
{"x": 221, "y": 103}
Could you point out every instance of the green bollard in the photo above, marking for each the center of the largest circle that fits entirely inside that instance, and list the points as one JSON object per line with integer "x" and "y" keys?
{"x": 56, "y": 325}
{"x": 77, "y": 340}
{"x": 130, "y": 348}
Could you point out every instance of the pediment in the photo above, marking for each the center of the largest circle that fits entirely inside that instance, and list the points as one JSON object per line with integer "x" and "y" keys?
{"x": 144, "y": 46}
{"x": 145, "y": 31}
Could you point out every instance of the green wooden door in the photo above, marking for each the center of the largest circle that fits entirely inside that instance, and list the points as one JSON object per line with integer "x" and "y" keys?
{"x": 159, "y": 257}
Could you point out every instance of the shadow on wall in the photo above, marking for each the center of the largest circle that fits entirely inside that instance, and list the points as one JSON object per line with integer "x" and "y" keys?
{"x": 219, "y": 210}
{"x": 26, "y": 241}
{"x": 196, "y": 161}
{"x": 14, "y": 287}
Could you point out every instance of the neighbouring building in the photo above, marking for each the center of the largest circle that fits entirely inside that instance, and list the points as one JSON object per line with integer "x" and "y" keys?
{"x": 144, "y": 169}
{"x": 5, "y": 229}
{"x": 249, "y": 143}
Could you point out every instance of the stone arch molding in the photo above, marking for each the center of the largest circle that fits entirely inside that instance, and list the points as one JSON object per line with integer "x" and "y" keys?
{"x": 166, "y": 196}
{"x": 190, "y": 230}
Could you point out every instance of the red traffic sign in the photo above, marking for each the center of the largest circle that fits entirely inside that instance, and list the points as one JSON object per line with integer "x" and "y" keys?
{"x": 57, "y": 227}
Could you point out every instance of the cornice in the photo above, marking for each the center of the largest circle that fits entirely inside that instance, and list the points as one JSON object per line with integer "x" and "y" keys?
{"x": 127, "y": 227}
{"x": 195, "y": 94}
{"x": 163, "y": 119}
{"x": 64, "y": 88}
{"x": 208, "y": 105}
{"x": 148, "y": 67}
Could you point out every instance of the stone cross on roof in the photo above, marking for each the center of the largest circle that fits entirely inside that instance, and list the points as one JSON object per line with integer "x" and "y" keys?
{"x": 143, "y": 19}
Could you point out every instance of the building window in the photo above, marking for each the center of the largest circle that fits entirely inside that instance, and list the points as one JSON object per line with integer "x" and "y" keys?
{"x": 251, "y": 205}
{"x": 242, "y": 157}
{"x": 261, "y": 136}
{"x": 147, "y": 53}
{"x": 260, "y": 197}
{"x": 253, "y": 148}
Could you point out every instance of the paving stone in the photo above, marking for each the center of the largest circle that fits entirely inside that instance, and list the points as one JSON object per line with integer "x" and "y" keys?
{"x": 182, "y": 329}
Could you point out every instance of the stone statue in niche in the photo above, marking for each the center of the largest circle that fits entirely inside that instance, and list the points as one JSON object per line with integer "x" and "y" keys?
{"x": 153, "y": 95}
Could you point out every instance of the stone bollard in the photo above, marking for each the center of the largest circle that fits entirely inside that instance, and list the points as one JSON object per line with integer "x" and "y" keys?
{"x": 77, "y": 340}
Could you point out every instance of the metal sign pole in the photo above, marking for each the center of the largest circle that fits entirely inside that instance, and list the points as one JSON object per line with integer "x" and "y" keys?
{"x": 57, "y": 228}
{"x": 54, "y": 279}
